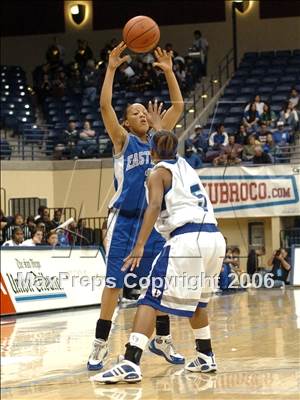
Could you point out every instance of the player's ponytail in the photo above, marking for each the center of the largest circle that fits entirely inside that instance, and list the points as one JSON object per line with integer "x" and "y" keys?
{"x": 165, "y": 144}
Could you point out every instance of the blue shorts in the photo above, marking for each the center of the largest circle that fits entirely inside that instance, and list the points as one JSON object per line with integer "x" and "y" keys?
{"x": 122, "y": 232}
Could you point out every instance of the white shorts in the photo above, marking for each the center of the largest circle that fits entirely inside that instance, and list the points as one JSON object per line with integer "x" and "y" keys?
{"x": 186, "y": 271}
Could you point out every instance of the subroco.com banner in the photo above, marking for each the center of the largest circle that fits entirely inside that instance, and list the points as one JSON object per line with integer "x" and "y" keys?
{"x": 41, "y": 279}
{"x": 253, "y": 191}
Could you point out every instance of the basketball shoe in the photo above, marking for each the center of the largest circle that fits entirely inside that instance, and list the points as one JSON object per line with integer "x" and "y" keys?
{"x": 98, "y": 354}
{"x": 163, "y": 346}
{"x": 202, "y": 363}
{"x": 125, "y": 371}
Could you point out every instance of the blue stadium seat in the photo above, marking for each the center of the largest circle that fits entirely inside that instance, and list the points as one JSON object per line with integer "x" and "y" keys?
{"x": 257, "y": 71}
{"x": 232, "y": 120}
{"x": 274, "y": 71}
{"x": 248, "y": 90}
{"x": 283, "y": 53}
{"x": 252, "y": 82}
{"x": 288, "y": 78}
{"x": 283, "y": 88}
{"x": 266, "y": 89}
{"x": 270, "y": 79}
{"x": 267, "y": 54}
{"x": 279, "y": 97}
{"x": 251, "y": 55}
{"x": 236, "y": 111}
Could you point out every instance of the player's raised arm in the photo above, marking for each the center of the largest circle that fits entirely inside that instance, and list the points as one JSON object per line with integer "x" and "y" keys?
{"x": 156, "y": 193}
{"x": 116, "y": 132}
{"x": 164, "y": 61}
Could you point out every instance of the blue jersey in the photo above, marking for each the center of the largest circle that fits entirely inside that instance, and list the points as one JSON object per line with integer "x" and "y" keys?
{"x": 130, "y": 170}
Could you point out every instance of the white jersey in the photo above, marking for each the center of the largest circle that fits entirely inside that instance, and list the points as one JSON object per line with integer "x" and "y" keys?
{"x": 186, "y": 201}
{"x": 10, "y": 243}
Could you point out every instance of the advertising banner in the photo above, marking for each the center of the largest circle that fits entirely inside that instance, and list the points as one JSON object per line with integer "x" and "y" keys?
{"x": 43, "y": 279}
{"x": 253, "y": 191}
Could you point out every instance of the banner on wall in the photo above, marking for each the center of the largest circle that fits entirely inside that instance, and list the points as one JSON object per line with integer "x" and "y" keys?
{"x": 253, "y": 191}
{"x": 43, "y": 279}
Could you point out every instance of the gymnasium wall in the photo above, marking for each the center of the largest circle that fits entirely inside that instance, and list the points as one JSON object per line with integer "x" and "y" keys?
{"x": 254, "y": 34}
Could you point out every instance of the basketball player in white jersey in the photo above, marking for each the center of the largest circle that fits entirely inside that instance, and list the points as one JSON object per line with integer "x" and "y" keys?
{"x": 180, "y": 209}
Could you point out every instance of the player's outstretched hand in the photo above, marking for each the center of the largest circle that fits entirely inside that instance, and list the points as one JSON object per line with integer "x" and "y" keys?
{"x": 164, "y": 59}
{"x": 134, "y": 258}
{"x": 155, "y": 115}
{"x": 115, "y": 59}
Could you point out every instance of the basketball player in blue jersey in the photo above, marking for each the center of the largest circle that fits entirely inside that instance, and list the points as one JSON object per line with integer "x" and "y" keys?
{"x": 131, "y": 163}
{"x": 180, "y": 209}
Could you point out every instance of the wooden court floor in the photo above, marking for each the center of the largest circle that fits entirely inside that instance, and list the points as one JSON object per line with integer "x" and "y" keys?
{"x": 255, "y": 338}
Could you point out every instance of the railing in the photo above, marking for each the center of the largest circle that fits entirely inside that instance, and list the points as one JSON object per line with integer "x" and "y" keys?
{"x": 66, "y": 212}
{"x": 3, "y": 204}
{"x": 209, "y": 87}
{"x": 26, "y": 206}
{"x": 92, "y": 228}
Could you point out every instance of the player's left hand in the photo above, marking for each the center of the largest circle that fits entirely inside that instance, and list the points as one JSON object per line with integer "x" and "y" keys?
{"x": 134, "y": 258}
{"x": 155, "y": 115}
{"x": 164, "y": 59}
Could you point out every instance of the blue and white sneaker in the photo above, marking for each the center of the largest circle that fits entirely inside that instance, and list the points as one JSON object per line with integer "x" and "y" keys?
{"x": 203, "y": 363}
{"x": 125, "y": 371}
{"x": 163, "y": 346}
{"x": 97, "y": 356}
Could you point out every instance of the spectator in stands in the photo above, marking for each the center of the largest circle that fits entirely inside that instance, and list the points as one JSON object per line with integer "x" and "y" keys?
{"x": 224, "y": 278}
{"x": 249, "y": 148}
{"x": 3, "y": 223}
{"x": 280, "y": 267}
{"x": 259, "y": 105}
{"x": 83, "y": 53}
{"x": 17, "y": 238}
{"x": 90, "y": 81}
{"x": 43, "y": 211}
{"x": 217, "y": 141}
{"x": 53, "y": 55}
{"x": 59, "y": 84}
{"x": 262, "y": 133}
{"x": 193, "y": 158}
{"x": 294, "y": 97}
{"x": 66, "y": 143}
{"x": 87, "y": 145}
{"x": 241, "y": 136}
{"x": 169, "y": 47}
{"x": 251, "y": 118}
{"x": 235, "y": 262}
{"x": 45, "y": 88}
{"x": 52, "y": 239}
{"x": 36, "y": 238}
{"x": 281, "y": 136}
{"x": 75, "y": 85}
{"x": 230, "y": 154}
{"x": 56, "y": 218}
{"x": 30, "y": 222}
{"x": 200, "y": 44}
{"x": 200, "y": 140}
{"x": 18, "y": 222}
{"x": 268, "y": 116}
{"x": 270, "y": 147}
{"x": 289, "y": 116}
{"x": 260, "y": 157}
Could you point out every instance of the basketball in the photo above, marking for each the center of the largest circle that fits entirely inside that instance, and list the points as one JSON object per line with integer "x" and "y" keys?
{"x": 141, "y": 34}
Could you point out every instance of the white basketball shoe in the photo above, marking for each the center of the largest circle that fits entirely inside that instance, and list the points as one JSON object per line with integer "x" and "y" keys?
{"x": 98, "y": 354}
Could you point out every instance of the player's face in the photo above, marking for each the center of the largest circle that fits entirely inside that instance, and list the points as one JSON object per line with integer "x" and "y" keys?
{"x": 136, "y": 119}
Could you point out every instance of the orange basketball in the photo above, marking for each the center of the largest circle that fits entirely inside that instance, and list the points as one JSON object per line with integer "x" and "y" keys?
{"x": 141, "y": 34}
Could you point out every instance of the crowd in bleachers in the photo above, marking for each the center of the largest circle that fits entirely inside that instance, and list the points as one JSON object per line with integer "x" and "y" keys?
{"x": 41, "y": 230}
{"x": 69, "y": 93}
{"x": 256, "y": 119}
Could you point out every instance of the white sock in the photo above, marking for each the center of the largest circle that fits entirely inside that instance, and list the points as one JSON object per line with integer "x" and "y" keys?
{"x": 139, "y": 340}
{"x": 202, "y": 333}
